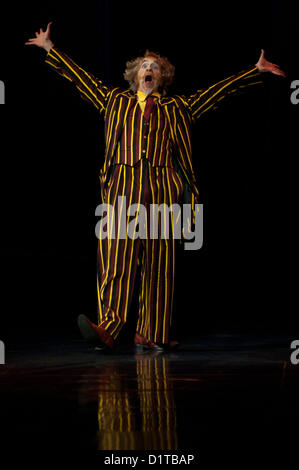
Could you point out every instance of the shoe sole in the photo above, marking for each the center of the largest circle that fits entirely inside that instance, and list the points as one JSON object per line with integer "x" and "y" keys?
{"x": 142, "y": 347}
{"x": 145, "y": 347}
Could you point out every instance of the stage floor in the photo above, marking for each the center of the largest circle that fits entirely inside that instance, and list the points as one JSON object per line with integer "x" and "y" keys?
{"x": 216, "y": 392}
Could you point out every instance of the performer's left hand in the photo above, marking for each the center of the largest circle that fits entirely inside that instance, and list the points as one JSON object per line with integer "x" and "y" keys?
{"x": 265, "y": 66}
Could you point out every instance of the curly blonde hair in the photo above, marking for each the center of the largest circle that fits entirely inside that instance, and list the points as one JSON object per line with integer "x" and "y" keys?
{"x": 133, "y": 66}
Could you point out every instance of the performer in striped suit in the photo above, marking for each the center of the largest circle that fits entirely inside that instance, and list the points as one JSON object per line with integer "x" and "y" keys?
{"x": 148, "y": 160}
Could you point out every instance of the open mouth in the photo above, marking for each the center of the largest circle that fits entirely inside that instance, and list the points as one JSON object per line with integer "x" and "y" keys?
{"x": 148, "y": 78}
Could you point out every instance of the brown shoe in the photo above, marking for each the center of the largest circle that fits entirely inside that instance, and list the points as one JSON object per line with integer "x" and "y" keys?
{"x": 93, "y": 334}
{"x": 141, "y": 342}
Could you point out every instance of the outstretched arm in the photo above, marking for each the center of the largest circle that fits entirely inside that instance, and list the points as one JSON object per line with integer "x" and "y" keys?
{"x": 204, "y": 100}
{"x": 90, "y": 88}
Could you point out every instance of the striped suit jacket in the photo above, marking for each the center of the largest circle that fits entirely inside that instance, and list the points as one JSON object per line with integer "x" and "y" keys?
{"x": 180, "y": 111}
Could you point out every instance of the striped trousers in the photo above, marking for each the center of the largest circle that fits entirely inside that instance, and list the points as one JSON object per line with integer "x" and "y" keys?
{"x": 118, "y": 257}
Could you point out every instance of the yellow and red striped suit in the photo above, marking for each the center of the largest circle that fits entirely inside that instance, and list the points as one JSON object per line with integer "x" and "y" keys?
{"x": 142, "y": 161}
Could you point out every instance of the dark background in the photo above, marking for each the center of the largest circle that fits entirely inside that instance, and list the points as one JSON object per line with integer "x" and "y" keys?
{"x": 244, "y": 156}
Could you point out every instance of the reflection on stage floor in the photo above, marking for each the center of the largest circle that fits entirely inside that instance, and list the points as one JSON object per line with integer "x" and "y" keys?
{"x": 213, "y": 393}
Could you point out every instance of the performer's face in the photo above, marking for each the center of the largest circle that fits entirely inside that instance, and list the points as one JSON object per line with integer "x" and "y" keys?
{"x": 149, "y": 75}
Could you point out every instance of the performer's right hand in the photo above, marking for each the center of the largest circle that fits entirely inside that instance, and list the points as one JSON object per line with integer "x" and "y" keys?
{"x": 42, "y": 39}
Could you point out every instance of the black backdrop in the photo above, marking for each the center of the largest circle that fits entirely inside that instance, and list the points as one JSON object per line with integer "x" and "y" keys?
{"x": 244, "y": 157}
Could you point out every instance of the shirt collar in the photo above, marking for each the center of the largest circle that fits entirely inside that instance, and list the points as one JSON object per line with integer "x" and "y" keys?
{"x": 142, "y": 96}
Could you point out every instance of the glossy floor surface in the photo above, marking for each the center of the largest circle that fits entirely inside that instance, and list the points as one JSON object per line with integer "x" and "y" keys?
{"x": 213, "y": 395}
